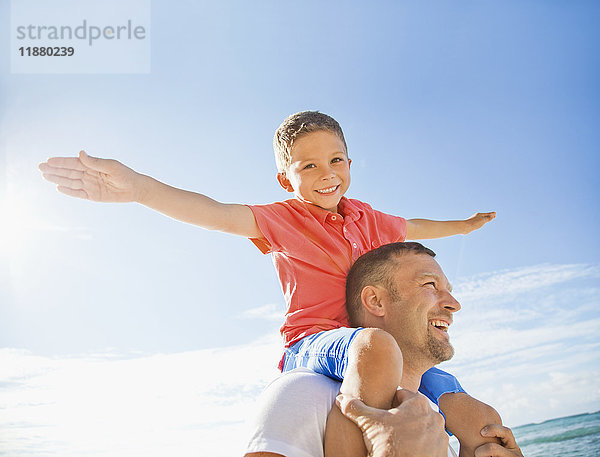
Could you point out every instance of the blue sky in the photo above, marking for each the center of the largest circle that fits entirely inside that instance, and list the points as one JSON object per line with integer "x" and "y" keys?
{"x": 447, "y": 109}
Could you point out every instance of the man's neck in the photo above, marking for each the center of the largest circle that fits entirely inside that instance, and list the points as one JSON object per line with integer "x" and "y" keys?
{"x": 411, "y": 377}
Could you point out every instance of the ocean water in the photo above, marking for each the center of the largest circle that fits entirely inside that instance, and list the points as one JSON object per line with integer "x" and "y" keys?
{"x": 565, "y": 437}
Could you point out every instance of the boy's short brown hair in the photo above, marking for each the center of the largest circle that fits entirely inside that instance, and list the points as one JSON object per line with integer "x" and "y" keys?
{"x": 297, "y": 125}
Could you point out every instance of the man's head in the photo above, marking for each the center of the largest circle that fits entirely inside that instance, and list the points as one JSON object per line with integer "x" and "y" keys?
{"x": 312, "y": 158}
{"x": 400, "y": 288}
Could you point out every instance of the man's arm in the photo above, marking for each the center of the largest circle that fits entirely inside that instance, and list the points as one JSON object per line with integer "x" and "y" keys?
{"x": 465, "y": 417}
{"x": 414, "y": 429}
{"x": 425, "y": 229}
{"x": 105, "y": 180}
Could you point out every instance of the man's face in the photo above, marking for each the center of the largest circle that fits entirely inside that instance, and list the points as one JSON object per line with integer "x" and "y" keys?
{"x": 420, "y": 309}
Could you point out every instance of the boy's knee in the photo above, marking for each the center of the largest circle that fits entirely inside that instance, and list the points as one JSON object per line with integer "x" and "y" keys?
{"x": 375, "y": 345}
{"x": 374, "y": 368}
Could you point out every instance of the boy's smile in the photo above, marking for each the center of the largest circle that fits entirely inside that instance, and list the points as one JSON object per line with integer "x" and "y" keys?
{"x": 319, "y": 172}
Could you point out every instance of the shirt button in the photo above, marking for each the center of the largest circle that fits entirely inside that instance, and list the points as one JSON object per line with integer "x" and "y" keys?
{"x": 375, "y": 244}
{"x": 354, "y": 244}
{"x": 333, "y": 218}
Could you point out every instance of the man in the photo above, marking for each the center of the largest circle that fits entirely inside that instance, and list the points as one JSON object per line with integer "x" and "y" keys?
{"x": 401, "y": 289}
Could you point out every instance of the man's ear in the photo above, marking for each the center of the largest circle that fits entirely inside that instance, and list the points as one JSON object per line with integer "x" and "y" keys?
{"x": 284, "y": 182}
{"x": 349, "y": 162}
{"x": 371, "y": 300}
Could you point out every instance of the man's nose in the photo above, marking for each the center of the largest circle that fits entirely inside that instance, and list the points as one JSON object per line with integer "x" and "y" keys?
{"x": 450, "y": 303}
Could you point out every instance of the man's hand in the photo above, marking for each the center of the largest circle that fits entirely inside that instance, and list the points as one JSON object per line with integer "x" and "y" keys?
{"x": 478, "y": 220}
{"x": 507, "y": 448}
{"x": 410, "y": 429}
{"x": 100, "y": 180}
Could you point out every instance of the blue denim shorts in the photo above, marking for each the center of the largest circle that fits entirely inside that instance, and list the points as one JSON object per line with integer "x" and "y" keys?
{"x": 325, "y": 352}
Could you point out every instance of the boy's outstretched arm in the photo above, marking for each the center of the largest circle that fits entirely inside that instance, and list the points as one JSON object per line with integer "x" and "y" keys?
{"x": 105, "y": 180}
{"x": 425, "y": 229}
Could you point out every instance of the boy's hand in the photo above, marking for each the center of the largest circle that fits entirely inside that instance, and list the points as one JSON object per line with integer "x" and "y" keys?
{"x": 508, "y": 446}
{"x": 478, "y": 220}
{"x": 100, "y": 180}
{"x": 104, "y": 180}
{"x": 426, "y": 229}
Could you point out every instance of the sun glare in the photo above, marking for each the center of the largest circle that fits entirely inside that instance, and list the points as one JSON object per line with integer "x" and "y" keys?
{"x": 17, "y": 223}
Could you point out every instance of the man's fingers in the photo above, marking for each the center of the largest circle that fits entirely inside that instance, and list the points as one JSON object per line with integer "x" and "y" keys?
{"x": 496, "y": 450}
{"x": 499, "y": 431}
{"x": 353, "y": 408}
{"x": 489, "y": 450}
{"x": 402, "y": 395}
{"x": 507, "y": 448}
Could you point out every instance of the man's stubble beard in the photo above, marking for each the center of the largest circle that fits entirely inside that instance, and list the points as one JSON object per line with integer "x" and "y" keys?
{"x": 440, "y": 351}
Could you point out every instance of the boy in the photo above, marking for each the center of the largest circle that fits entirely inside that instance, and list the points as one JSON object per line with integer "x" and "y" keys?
{"x": 313, "y": 239}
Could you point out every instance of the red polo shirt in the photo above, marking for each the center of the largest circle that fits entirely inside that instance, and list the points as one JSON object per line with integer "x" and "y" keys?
{"x": 312, "y": 250}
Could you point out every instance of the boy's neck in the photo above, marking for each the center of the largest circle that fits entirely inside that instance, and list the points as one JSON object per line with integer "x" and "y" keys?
{"x": 338, "y": 209}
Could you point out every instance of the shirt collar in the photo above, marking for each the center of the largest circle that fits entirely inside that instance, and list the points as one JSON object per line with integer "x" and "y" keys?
{"x": 347, "y": 209}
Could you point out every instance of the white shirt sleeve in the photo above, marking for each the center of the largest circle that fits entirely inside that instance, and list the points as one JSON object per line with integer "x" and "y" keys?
{"x": 451, "y": 452}
{"x": 292, "y": 414}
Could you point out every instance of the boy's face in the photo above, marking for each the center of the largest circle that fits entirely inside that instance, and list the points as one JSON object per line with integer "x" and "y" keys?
{"x": 320, "y": 170}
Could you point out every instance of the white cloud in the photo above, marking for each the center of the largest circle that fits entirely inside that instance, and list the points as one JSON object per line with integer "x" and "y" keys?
{"x": 270, "y": 312}
{"x": 184, "y": 404}
{"x": 521, "y": 333}
{"x": 511, "y": 282}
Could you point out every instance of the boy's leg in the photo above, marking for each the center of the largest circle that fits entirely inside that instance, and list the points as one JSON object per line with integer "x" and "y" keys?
{"x": 373, "y": 375}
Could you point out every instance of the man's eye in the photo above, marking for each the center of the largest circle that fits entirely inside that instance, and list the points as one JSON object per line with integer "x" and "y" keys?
{"x": 430, "y": 284}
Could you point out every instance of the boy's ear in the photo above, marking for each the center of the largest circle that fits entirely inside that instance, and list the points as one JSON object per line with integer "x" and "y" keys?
{"x": 371, "y": 300}
{"x": 284, "y": 182}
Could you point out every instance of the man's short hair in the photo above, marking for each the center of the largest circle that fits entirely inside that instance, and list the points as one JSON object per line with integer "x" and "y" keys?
{"x": 297, "y": 125}
{"x": 375, "y": 269}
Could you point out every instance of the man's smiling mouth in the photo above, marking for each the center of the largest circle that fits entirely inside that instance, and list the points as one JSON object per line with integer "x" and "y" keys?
{"x": 328, "y": 190}
{"x": 440, "y": 324}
